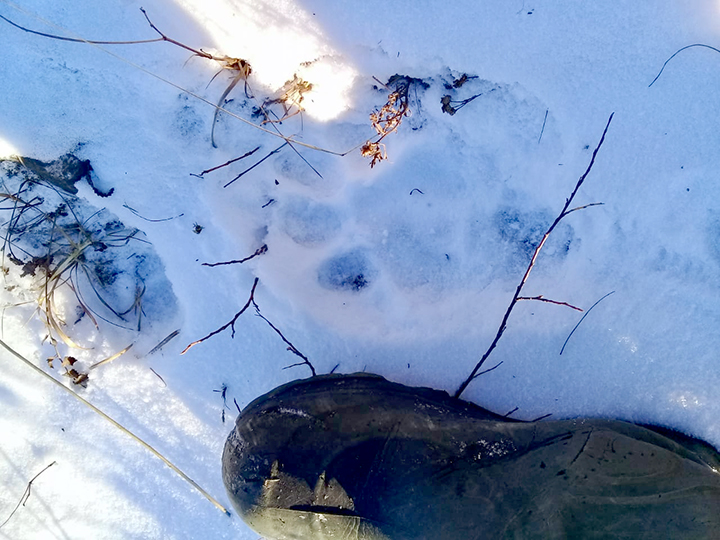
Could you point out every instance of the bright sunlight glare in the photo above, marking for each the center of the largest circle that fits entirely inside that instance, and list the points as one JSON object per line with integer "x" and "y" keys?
{"x": 7, "y": 149}
{"x": 280, "y": 41}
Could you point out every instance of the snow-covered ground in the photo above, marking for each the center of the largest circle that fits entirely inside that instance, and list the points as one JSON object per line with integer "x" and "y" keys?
{"x": 404, "y": 269}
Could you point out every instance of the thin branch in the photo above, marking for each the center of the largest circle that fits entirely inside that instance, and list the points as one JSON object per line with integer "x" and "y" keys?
{"x": 506, "y": 415}
{"x": 540, "y": 298}
{"x": 231, "y": 323}
{"x": 258, "y": 251}
{"x": 582, "y": 319}
{"x": 291, "y": 347}
{"x": 583, "y": 207}
{"x": 678, "y": 52}
{"x": 490, "y": 369}
{"x": 26, "y": 493}
{"x": 246, "y": 154}
{"x": 287, "y": 141}
{"x": 564, "y": 212}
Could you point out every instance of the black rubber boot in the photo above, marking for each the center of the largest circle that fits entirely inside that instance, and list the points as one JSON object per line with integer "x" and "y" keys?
{"x": 356, "y": 457}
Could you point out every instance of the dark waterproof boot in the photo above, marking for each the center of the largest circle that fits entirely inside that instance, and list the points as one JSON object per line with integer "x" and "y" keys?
{"x": 356, "y": 457}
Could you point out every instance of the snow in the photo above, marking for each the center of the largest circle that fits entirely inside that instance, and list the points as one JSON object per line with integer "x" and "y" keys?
{"x": 404, "y": 269}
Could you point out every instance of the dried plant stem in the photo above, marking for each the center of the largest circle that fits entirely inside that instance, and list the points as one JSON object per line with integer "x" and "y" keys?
{"x": 582, "y": 319}
{"x": 119, "y": 426}
{"x": 516, "y": 297}
{"x": 678, "y": 52}
{"x": 26, "y": 494}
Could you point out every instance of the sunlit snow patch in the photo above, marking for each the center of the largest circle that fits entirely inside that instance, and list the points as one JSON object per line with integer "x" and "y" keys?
{"x": 6, "y": 149}
{"x": 280, "y": 40}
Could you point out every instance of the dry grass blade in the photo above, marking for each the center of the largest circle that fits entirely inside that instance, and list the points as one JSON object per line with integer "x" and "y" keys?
{"x": 111, "y": 358}
{"x": 117, "y": 425}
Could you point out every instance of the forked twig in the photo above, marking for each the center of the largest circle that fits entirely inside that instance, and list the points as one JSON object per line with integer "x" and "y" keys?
{"x": 231, "y": 324}
{"x": 287, "y": 141}
{"x": 211, "y": 169}
{"x": 290, "y": 348}
{"x": 26, "y": 494}
{"x": 516, "y": 297}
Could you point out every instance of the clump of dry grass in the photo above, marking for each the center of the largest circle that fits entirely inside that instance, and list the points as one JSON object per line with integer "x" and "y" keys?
{"x": 48, "y": 235}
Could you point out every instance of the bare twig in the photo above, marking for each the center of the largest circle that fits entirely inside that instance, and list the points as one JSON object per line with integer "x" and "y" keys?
{"x": 291, "y": 347}
{"x": 258, "y": 251}
{"x": 582, "y": 319}
{"x": 231, "y": 323}
{"x": 258, "y": 163}
{"x": 246, "y": 154}
{"x": 25, "y": 495}
{"x": 540, "y": 298}
{"x": 564, "y": 212}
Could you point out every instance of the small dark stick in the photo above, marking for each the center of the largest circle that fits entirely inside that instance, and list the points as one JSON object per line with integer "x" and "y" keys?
{"x": 25, "y": 495}
{"x": 246, "y": 154}
{"x": 258, "y": 251}
{"x": 230, "y": 324}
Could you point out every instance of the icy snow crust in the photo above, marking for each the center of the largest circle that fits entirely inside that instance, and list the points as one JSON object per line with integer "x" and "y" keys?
{"x": 403, "y": 270}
